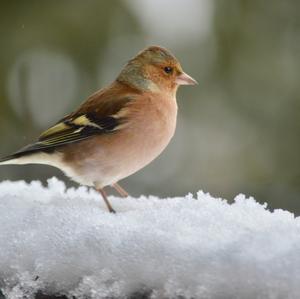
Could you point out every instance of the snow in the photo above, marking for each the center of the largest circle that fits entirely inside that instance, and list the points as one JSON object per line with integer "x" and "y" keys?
{"x": 65, "y": 242}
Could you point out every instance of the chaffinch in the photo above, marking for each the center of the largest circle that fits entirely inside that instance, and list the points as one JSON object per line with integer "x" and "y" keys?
{"x": 119, "y": 129}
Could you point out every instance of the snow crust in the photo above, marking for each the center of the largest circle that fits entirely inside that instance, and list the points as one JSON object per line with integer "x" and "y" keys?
{"x": 64, "y": 241}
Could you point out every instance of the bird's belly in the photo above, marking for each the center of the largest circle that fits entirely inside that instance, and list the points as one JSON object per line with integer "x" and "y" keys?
{"x": 137, "y": 154}
{"x": 117, "y": 162}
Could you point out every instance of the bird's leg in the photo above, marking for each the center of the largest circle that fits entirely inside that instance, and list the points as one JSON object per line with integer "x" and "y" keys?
{"x": 104, "y": 196}
{"x": 120, "y": 190}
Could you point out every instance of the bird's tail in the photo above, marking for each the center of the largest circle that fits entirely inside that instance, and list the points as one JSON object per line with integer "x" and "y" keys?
{"x": 27, "y": 155}
{"x": 17, "y": 158}
{"x": 30, "y": 154}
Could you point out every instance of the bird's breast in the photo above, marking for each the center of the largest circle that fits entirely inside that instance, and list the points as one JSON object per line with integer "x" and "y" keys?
{"x": 149, "y": 129}
{"x": 153, "y": 125}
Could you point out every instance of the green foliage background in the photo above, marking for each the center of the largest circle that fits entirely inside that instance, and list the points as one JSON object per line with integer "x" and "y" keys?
{"x": 238, "y": 130}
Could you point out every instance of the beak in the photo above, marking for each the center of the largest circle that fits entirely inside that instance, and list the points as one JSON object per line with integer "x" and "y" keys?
{"x": 185, "y": 79}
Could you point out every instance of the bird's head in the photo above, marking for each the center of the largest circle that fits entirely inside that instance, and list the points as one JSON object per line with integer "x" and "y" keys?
{"x": 155, "y": 69}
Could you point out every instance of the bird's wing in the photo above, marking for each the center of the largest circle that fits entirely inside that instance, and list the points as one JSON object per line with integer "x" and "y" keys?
{"x": 95, "y": 117}
{"x": 71, "y": 130}
{"x": 76, "y": 128}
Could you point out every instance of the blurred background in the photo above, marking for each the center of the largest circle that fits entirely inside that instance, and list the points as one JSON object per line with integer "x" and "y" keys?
{"x": 238, "y": 130}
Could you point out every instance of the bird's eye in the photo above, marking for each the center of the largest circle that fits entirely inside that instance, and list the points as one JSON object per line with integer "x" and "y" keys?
{"x": 168, "y": 69}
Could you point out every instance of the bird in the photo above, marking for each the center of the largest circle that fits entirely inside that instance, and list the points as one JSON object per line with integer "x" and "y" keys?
{"x": 116, "y": 131}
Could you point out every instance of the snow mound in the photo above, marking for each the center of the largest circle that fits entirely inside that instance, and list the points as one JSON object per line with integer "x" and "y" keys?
{"x": 65, "y": 242}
